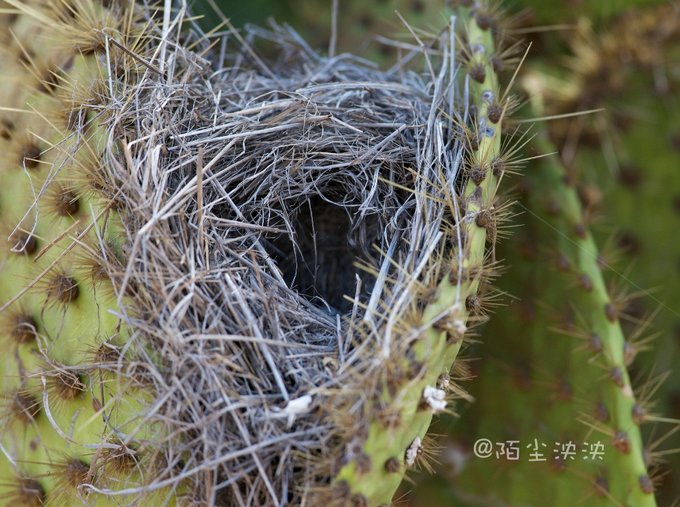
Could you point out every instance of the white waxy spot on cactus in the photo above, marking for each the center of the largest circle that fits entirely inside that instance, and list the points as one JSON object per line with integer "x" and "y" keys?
{"x": 413, "y": 451}
{"x": 435, "y": 398}
{"x": 294, "y": 408}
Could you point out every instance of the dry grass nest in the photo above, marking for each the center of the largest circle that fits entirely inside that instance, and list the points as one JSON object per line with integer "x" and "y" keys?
{"x": 284, "y": 215}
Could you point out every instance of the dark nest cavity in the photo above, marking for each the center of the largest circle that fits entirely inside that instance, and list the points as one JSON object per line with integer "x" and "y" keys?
{"x": 321, "y": 257}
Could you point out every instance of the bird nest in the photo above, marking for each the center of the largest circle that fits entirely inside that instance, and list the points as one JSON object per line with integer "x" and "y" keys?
{"x": 286, "y": 216}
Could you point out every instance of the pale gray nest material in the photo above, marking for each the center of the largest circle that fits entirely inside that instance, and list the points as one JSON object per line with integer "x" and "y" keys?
{"x": 283, "y": 216}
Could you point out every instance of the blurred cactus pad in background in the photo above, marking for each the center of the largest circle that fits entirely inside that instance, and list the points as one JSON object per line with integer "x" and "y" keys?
{"x": 339, "y": 253}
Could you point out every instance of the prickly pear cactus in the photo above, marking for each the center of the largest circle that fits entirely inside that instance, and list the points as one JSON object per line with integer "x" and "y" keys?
{"x": 617, "y": 159}
{"x": 178, "y": 329}
{"x": 63, "y": 415}
{"x": 451, "y": 307}
{"x": 549, "y": 346}
{"x": 570, "y": 425}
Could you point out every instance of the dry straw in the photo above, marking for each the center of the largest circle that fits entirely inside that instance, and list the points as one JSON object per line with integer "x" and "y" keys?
{"x": 286, "y": 218}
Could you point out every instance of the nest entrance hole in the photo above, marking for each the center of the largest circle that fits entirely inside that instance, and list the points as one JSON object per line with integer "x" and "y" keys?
{"x": 319, "y": 261}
